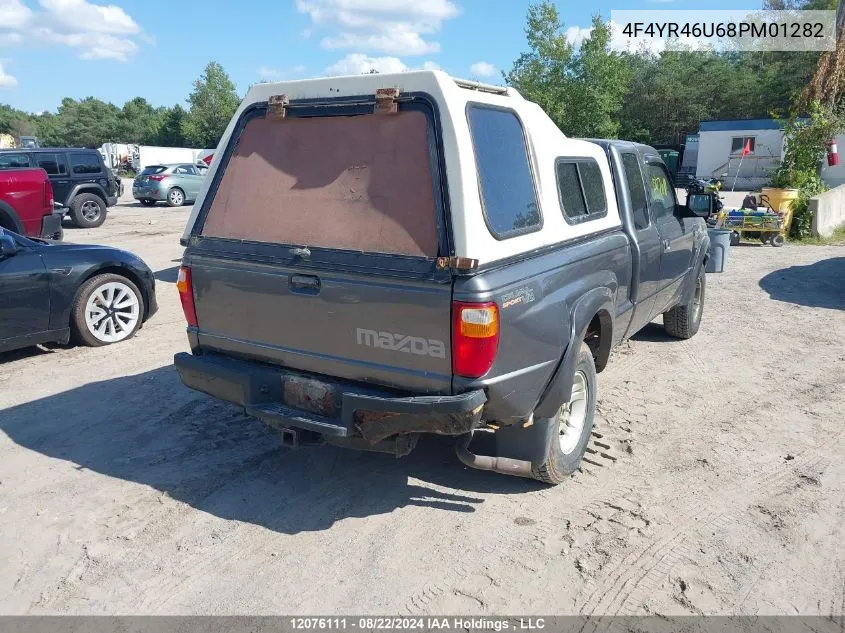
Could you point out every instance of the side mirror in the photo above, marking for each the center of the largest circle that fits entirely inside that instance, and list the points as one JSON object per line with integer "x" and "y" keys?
{"x": 8, "y": 246}
{"x": 700, "y": 204}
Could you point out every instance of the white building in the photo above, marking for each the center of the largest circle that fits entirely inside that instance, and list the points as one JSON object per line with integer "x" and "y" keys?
{"x": 720, "y": 153}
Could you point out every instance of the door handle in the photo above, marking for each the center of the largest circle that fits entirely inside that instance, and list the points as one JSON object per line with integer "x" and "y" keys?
{"x": 666, "y": 245}
{"x": 305, "y": 283}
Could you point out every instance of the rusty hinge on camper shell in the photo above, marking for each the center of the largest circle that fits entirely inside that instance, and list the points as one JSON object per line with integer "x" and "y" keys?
{"x": 457, "y": 263}
{"x": 386, "y": 101}
{"x": 277, "y": 106}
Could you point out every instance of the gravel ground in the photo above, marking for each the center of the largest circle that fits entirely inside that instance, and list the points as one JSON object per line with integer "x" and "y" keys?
{"x": 714, "y": 483}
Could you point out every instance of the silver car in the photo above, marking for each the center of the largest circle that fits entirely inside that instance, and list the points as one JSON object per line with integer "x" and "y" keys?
{"x": 173, "y": 184}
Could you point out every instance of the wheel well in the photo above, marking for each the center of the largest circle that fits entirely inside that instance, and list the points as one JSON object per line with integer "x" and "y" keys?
{"x": 123, "y": 272}
{"x": 93, "y": 190}
{"x": 9, "y": 219}
{"x": 598, "y": 338}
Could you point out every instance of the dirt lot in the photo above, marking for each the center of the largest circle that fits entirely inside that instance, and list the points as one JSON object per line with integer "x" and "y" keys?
{"x": 717, "y": 482}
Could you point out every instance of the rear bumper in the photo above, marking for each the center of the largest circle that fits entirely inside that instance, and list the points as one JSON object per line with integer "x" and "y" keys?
{"x": 148, "y": 193}
{"x": 338, "y": 410}
{"x": 51, "y": 225}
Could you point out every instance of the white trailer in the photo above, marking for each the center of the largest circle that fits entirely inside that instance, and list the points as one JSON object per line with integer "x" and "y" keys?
{"x": 151, "y": 155}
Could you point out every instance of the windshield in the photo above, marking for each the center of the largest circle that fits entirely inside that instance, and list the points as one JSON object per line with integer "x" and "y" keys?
{"x": 152, "y": 169}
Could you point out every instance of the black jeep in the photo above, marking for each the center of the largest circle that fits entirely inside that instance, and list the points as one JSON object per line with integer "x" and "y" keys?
{"x": 81, "y": 181}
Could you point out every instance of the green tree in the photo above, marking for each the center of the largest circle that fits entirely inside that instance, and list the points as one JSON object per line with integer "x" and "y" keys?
{"x": 170, "y": 133}
{"x": 581, "y": 90}
{"x": 599, "y": 82}
{"x": 212, "y": 104}
{"x": 541, "y": 74}
{"x": 85, "y": 123}
{"x": 137, "y": 121}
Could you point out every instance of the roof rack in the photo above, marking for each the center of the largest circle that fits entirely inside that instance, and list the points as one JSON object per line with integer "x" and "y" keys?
{"x": 476, "y": 85}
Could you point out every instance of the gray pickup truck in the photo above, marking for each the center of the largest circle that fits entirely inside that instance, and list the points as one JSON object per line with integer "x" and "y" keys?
{"x": 381, "y": 256}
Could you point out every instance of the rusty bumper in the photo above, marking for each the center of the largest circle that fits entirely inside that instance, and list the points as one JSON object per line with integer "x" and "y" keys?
{"x": 333, "y": 409}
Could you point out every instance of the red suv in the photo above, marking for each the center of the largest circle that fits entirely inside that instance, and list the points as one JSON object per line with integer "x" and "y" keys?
{"x": 26, "y": 204}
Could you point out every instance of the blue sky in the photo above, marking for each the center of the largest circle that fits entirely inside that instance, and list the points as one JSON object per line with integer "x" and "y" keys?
{"x": 117, "y": 50}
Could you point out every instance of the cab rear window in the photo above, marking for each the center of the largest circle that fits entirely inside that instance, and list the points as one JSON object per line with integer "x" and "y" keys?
{"x": 359, "y": 183}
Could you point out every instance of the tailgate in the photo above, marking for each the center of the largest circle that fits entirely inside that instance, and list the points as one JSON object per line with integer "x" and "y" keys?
{"x": 356, "y": 327}
{"x": 316, "y": 247}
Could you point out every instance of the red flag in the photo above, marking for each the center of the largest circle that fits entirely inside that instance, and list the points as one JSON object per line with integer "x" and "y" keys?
{"x": 747, "y": 149}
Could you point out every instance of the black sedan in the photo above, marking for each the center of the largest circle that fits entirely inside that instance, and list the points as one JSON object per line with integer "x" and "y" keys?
{"x": 55, "y": 292}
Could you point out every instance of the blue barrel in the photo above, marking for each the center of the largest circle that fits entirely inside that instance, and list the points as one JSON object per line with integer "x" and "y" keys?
{"x": 720, "y": 245}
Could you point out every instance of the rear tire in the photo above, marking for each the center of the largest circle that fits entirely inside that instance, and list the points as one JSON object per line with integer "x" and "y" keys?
{"x": 683, "y": 321}
{"x": 572, "y": 426}
{"x": 175, "y": 197}
{"x": 87, "y": 211}
{"x": 778, "y": 240}
{"x": 734, "y": 238}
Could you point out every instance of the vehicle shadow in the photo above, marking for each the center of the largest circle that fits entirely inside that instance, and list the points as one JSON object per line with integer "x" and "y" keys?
{"x": 151, "y": 430}
{"x": 654, "y": 333}
{"x": 819, "y": 285}
{"x": 167, "y": 275}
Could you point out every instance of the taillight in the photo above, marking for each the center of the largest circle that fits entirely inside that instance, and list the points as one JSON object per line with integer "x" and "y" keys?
{"x": 186, "y": 295}
{"x": 158, "y": 177}
{"x": 475, "y": 338}
{"x": 48, "y": 195}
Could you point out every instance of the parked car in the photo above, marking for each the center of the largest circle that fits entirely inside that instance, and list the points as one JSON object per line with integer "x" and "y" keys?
{"x": 173, "y": 184}
{"x": 451, "y": 264}
{"x": 56, "y": 292}
{"x": 81, "y": 181}
{"x": 27, "y": 205}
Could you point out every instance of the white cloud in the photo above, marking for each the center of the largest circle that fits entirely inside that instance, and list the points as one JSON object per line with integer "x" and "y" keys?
{"x": 483, "y": 69}
{"x": 6, "y": 81}
{"x": 576, "y": 35}
{"x": 96, "y": 31}
{"x": 266, "y": 72}
{"x": 299, "y": 69}
{"x": 396, "y": 43}
{"x": 13, "y": 14}
{"x": 394, "y": 27}
{"x": 358, "y": 63}
{"x": 431, "y": 66}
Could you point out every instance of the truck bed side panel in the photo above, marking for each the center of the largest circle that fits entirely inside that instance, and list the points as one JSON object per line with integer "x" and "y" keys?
{"x": 535, "y": 298}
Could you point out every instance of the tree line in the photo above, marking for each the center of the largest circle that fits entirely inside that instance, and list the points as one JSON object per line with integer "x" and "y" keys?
{"x": 656, "y": 98}
{"x": 90, "y": 122}
{"x": 589, "y": 91}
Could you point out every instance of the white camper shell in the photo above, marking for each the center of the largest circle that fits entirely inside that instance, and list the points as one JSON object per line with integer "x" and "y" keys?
{"x": 471, "y": 160}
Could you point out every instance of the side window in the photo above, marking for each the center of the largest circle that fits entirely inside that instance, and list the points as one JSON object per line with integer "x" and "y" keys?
{"x": 504, "y": 173}
{"x": 581, "y": 190}
{"x": 9, "y": 160}
{"x": 634, "y": 181}
{"x": 53, "y": 164}
{"x": 181, "y": 169}
{"x": 662, "y": 192}
{"x": 84, "y": 163}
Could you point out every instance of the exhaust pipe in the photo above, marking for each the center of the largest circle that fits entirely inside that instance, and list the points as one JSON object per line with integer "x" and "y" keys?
{"x": 502, "y": 465}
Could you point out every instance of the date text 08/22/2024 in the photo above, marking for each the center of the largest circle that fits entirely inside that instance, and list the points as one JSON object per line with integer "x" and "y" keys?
{"x": 418, "y": 623}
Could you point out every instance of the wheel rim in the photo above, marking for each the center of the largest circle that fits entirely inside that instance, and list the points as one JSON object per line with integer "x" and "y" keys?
{"x": 176, "y": 197}
{"x": 696, "y": 298}
{"x": 112, "y": 312}
{"x": 90, "y": 210}
{"x": 573, "y": 415}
